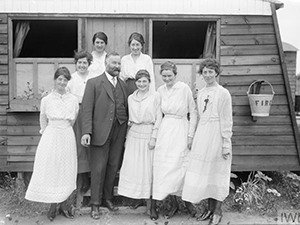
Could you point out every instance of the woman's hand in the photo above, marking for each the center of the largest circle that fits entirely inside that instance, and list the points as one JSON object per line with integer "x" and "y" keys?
{"x": 152, "y": 143}
{"x": 189, "y": 142}
{"x": 226, "y": 155}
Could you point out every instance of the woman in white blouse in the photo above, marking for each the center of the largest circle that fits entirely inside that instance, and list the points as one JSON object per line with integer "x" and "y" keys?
{"x": 76, "y": 86}
{"x": 55, "y": 165}
{"x": 144, "y": 119}
{"x": 99, "y": 45}
{"x": 208, "y": 172}
{"x": 136, "y": 61}
{"x": 174, "y": 138}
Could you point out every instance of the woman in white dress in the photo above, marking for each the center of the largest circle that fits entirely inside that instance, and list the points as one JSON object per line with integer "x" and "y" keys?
{"x": 174, "y": 137}
{"x": 144, "y": 119}
{"x": 208, "y": 173}
{"x": 99, "y": 45}
{"x": 76, "y": 86}
{"x": 136, "y": 61}
{"x": 55, "y": 165}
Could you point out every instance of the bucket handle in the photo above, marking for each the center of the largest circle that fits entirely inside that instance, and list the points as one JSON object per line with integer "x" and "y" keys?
{"x": 260, "y": 81}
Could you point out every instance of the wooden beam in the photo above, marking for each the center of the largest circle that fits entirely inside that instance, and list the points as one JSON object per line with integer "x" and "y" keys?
{"x": 260, "y": 39}
{"x": 249, "y": 50}
{"x": 250, "y": 60}
{"x": 247, "y": 29}
{"x": 270, "y": 120}
{"x": 286, "y": 80}
{"x": 249, "y": 19}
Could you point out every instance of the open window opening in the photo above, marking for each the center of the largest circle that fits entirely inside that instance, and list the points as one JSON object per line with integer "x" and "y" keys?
{"x": 44, "y": 38}
{"x": 184, "y": 39}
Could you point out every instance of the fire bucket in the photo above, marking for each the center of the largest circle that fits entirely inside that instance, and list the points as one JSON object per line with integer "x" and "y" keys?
{"x": 260, "y": 103}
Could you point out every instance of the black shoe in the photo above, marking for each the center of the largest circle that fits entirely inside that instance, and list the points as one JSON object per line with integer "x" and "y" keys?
{"x": 136, "y": 203}
{"x": 95, "y": 214}
{"x": 191, "y": 209}
{"x": 153, "y": 214}
{"x": 51, "y": 214}
{"x": 205, "y": 216}
{"x": 215, "y": 220}
{"x": 65, "y": 210}
{"x": 108, "y": 204}
{"x": 171, "y": 212}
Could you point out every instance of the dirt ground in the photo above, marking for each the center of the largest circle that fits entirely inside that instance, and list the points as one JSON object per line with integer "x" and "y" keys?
{"x": 126, "y": 216}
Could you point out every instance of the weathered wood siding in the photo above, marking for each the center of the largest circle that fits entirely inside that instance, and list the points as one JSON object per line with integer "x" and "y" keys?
{"x": 117, "y": 31}
{"x": 4, "y": 90}
{"x": 249, "y": 52}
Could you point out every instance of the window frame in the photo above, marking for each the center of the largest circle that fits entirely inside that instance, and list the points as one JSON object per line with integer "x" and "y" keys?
{"x": 33, "y": 105}
{"x": 193, "y": 62}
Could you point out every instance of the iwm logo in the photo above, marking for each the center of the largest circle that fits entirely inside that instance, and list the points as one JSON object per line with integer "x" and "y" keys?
{"x": 288, "y": 217}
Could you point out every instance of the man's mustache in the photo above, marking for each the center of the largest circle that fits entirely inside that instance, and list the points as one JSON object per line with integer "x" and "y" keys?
{"x": 116, "y": 69}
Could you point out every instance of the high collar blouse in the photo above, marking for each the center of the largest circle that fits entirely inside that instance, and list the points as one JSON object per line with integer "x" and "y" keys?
{"x": 145, "y": 110}
{"x": 129, "y": 67}
{"x": 58, "y": 107}
{"x": 178, "y": 101}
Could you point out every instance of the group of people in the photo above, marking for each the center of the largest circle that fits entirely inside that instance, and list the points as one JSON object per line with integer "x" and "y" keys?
{"x": 165, "y": 143}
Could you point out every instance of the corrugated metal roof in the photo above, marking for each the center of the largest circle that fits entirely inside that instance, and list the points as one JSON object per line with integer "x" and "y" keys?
{"x": 215, "y": 7}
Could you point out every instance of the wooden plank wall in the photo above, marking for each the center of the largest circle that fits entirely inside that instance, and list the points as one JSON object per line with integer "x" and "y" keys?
{"x": 249, "y": 52}
{"x": 18, "y": 131}
{"x": 117, "y": 30}
{"x": 3, "y": 85}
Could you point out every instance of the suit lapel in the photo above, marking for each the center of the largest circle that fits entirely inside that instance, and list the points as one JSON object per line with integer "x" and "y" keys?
{"x": 107, "y": 87}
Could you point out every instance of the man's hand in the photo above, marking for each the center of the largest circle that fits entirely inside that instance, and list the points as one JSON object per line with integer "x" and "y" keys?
{"x": 86, "y": 140}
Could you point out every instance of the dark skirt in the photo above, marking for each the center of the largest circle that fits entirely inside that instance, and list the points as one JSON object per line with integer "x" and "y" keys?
{"x": 131, "y": 85}
{"x": 82, "y": 152}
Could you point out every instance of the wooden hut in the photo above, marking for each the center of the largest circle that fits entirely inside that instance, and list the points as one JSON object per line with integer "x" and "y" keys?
{"x": 244, "y": 36}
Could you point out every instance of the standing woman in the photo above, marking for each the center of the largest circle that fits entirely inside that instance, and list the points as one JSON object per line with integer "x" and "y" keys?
{"x": 144, "y": 119}
{"x": 55, "y": 165}
{"x": 136, "y": 61}
{"x": 76, "y": 86}
{"x": 208, "y": 173}
{"x": 99, "y": 45}
{"x": 174, "y": 138}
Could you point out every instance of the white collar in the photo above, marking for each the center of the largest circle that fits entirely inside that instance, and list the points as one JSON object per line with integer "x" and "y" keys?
{"x": 110, "y": 78}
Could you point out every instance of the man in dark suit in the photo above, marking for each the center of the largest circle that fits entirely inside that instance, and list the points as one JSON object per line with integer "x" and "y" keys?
{"x": 104, "y": 125}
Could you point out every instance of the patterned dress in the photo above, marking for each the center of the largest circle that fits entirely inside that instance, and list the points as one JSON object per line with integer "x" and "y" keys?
{"x": 171, "y": 150}
{"x": 208, "y": 173}
{"x": 55, "y": 165}
{"x": 136, "y": 171}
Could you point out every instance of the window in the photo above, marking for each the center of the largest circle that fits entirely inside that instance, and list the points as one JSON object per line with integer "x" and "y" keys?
{"x": 47, "y": 38}
{"x": 179, "y": 39}
{"x": 39, "y": 48}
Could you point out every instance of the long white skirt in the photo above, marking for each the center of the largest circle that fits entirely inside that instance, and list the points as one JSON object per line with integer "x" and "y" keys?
{"x": 136, "y": 171}
{"x": 170, "y": 155}
{"x": 208, "y": 173}
{"x": 55, "y": 165}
